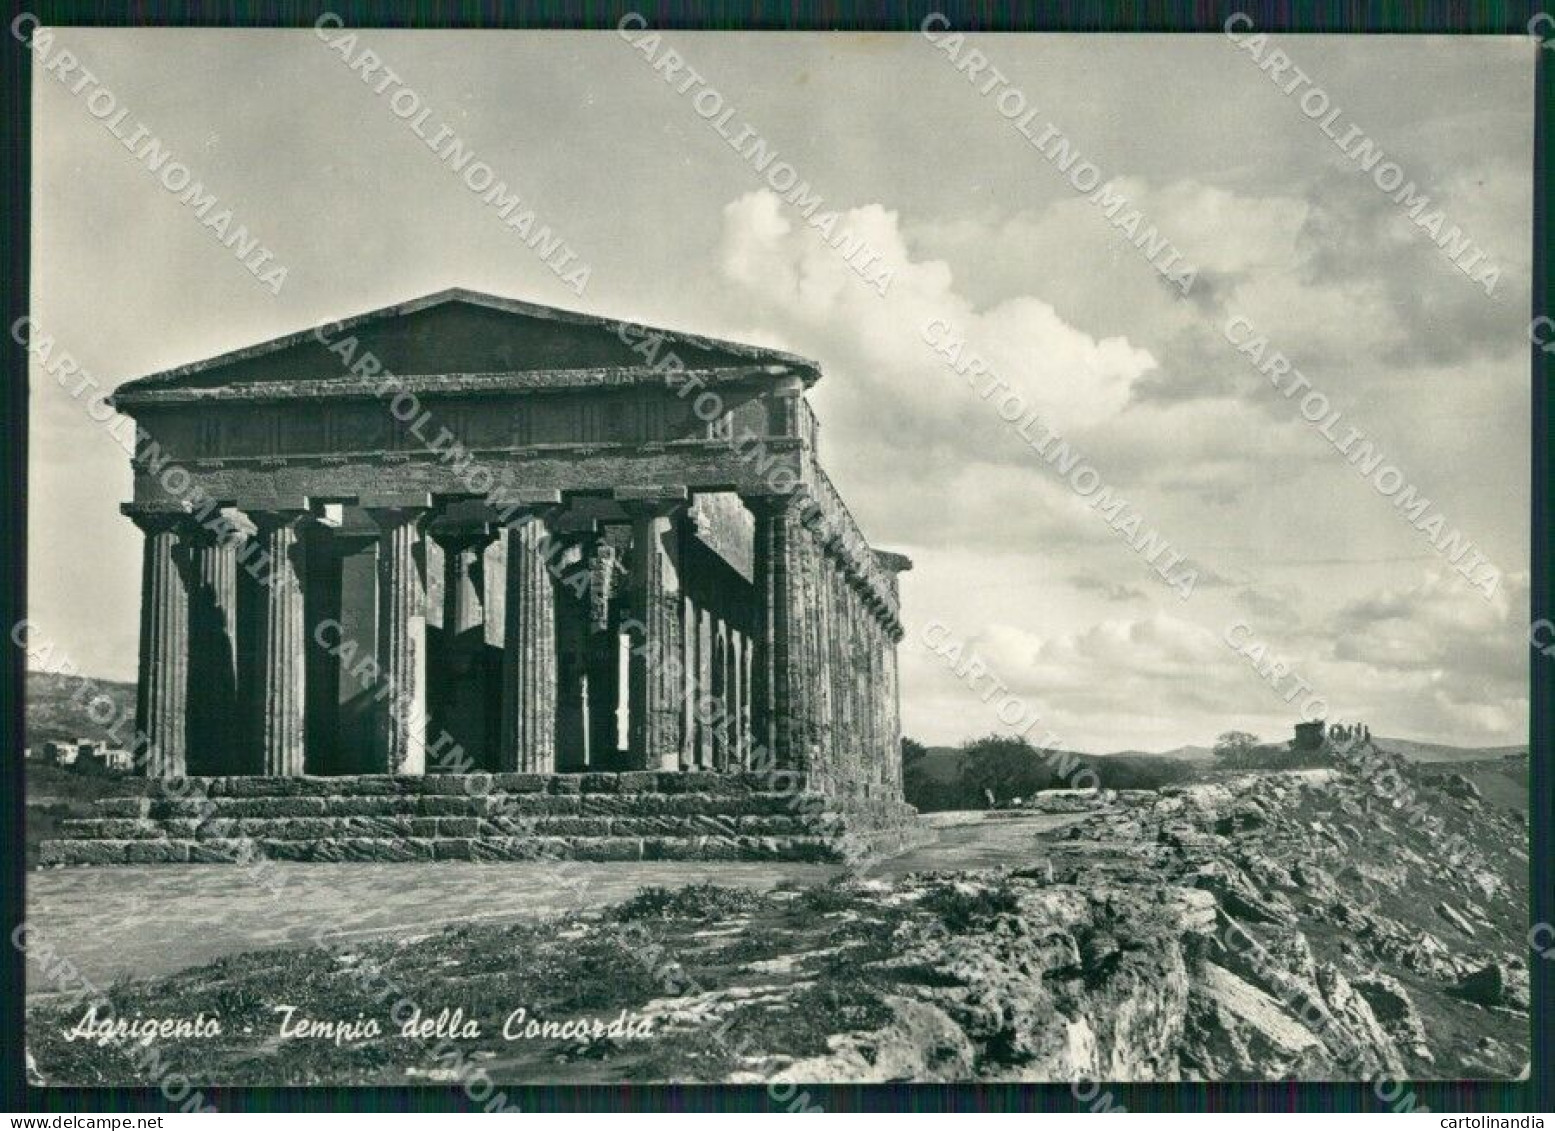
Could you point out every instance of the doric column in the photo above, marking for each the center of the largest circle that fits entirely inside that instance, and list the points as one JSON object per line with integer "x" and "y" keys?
{"x": 811, "y": 620}
{"x": 603, "y": 653}
{"x": 216, "y": 745}
{"x": 689, "y": 688}
{"x": 747, "y": 671}
{"x": 779, "y": 689}
{"x": 279, "y": 696}
{"x": 844, "y": 679}
{"x": 322, "y": 602}
{"x": 459, "y": 688}
{"x": 400, "y": 746}
{"x": 528, "y": 740}
{"x": 728, "y": 756}
{"x": 707, "y": 690}
{"x": 572, "y": 665}
{"x": 893, "y": 767}
{"x": 161, "y": 695}
{"x": 656, "y": 675}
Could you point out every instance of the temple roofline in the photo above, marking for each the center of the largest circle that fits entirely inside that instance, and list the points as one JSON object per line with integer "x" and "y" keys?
{"x": 809, "y": 371}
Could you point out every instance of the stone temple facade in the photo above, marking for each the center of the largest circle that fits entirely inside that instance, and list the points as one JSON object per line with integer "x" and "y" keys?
{"x": 469, "y": 535}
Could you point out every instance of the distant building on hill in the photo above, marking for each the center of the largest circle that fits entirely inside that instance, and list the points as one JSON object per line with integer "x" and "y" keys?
{"x": 89, "y": 756}
{"x": 1309, "y": 736}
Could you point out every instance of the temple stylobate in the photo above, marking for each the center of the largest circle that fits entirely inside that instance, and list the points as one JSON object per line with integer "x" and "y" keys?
{"x": 468, "y": 533}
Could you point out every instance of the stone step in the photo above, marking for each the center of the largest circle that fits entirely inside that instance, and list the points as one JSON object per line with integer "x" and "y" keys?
{"x": 590, "y": 805}
{"x": 628, "y": 816}
{"x": 317, "y": 827}
{"x": 608, "y": 848}
{"x": 640, "y": 781}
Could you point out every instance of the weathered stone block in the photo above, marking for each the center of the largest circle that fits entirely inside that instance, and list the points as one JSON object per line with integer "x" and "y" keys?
{"x": 622, "y": 804}
{"x": 373, "y": 785}
{"x": 384, "y": 848}
{"x": 276, "y": 849}
{"x": 177, "y": 789}
{"x": 696, "y": 781}
{"x": 638, "y": 781}
{"x": 435, "y": 806}
{"x": 83, "y": 851}
{"x": 607, "y": 848}
{"x": 275, "y": 807}
{"x": 504, "y": 848}
{"x": 379, "y": 826}
{"x": 536, "y": 805}
{"x": 253, "y": 786}
{"x": 227, "y": 850}
{"x": 110, "y": 828}
{"x": 564, "y": 784}
{"x": 518, "y": 783}
{"x": 458, "y": 826}
{"x": 124, "y": 806}
{"x": 295, "y": 828}
{"x": 218, "y": 828}
{"x": 672, "y": 848}
{"x": 453, "y": 848}
{"x": 156, "y": 852}
{"x": 375, "y": 806}
{"x": 696, "y": 824}
{"x": 748, "y": 805}
{"x": 599, "y": 783}
{"x": 197, "y": 808}
{"x": 572, "y": 826}
{"x": 456, "y": 785}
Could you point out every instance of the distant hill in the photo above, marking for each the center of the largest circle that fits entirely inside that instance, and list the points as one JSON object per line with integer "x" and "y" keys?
{"x": 53, "y": 715}
{"x": 935, "y": 780}
{"x": 941, "y": 760}
{"x": 1188, "y": 753}
{"x": 1441, "y": 752}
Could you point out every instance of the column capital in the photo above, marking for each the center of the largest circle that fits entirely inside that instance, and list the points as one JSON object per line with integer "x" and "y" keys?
{"x": 542, "y": 511}
{"x": 398, "y": 508}
{"x": 455, "y": 535}
{"x": 651, "y": 504}
{"x": 154, "y": 519}
{"x": 276, "y": 519}
{"x": 394, "y": 516}
{"x": 773, "y": 506}
{"x": 227, "y": 528}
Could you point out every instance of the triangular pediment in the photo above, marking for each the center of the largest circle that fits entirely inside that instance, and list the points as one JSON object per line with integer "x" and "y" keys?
{"x": 463, "y": 332}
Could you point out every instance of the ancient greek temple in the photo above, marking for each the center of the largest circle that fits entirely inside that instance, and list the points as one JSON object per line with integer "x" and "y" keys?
{"x": 469, "y": 533}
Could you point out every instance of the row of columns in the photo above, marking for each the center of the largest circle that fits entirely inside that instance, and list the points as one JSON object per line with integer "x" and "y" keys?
{"x": 826, "y": 659}
{"x": 191, "y": 565}
{"x": 802, "y": 663}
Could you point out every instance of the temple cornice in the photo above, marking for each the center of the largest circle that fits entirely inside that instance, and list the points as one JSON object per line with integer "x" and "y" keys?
{"x": 134, "y": 395}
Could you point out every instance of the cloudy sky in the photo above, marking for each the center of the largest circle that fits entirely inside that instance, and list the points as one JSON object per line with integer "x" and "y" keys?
{"x": 981, "y": 232}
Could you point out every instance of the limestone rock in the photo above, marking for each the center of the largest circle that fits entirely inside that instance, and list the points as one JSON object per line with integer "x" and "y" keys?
{"x": 1395, "y": 1011}
{"x": 1456, "y": 918}
{"x": 1497, "y": 984}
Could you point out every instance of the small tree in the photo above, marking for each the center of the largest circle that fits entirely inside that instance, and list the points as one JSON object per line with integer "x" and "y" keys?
{"x": 1004, "y": 765}
{"x": 912, "y": 750}
{"x": 1235, "y": 747}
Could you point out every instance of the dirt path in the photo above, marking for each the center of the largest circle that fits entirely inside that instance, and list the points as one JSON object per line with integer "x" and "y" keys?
{"x": 146, "y": 921}
{"x": 140, "y": 922}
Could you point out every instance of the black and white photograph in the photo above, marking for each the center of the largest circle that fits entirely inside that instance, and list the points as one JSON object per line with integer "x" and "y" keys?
{"x": 652, "y": 556}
